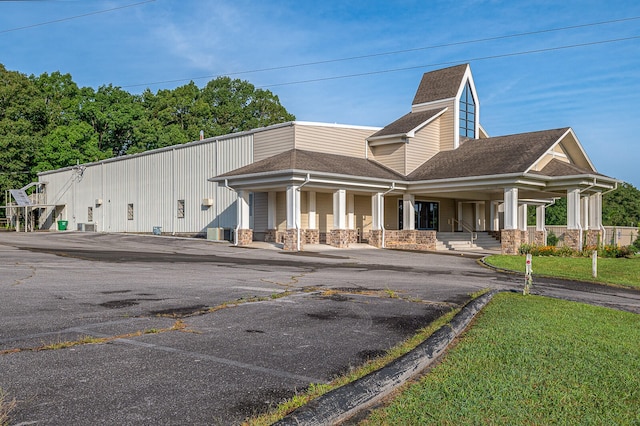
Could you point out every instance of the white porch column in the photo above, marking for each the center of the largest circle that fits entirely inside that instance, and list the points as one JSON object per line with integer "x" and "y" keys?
{"x": 584, "y": 213}
{"x": 479, "y": 216}
{"x": 243, "y": 210}
{"x": 272, "y": 222}
{"x": 573, "y": 208}
{"x": 293, "y": 207}
{"x": 408, "y": 212}
{"x": 540, "y": 217}
{"x": 351, "y": 217}
{"x": 340, "y": 209}
{"x": 377, "y": 211}
{"x": 494, "y": 216}
{"x": 312, "y": 210}
{"x": 595, "y": 211}
{"x": 511, "y": 208}
{"x": 522, "y": 216}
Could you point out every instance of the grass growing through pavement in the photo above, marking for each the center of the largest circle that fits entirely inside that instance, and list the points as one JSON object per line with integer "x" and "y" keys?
{"x": 6, "y": 407}
{"x": 531, "y": 360}
{"x": 317, "y": 390}
{"x": 621, "y": 271}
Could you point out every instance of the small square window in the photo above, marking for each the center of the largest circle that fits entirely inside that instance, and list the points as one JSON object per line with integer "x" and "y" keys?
{"x": 180, "y": 209}
{"x": 90, "y": 214}
{"x": 130, "y": 211}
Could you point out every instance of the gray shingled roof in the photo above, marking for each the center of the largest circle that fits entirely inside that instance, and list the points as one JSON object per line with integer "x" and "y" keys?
{"x": 440, "y": 84}
{"x": 297, "y": 159}
{"x": 407, "y": 123}
{"x": 556, "y": 167}
{"x": 491, "y": 156}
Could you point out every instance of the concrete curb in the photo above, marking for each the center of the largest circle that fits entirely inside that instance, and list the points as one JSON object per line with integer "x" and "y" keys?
{"x": 346, "y": 401}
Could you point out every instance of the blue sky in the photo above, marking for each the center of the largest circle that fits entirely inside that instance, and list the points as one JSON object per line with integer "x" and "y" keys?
{"x": 384, "y": 46}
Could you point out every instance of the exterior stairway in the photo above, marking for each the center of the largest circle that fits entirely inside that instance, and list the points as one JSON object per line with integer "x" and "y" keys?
{"x": 461, "y": 241}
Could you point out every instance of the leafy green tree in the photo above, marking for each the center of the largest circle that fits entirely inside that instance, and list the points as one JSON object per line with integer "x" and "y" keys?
{"x": 622, "y": 206}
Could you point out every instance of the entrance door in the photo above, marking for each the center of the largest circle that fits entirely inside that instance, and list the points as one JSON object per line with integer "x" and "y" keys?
{"x": 426, "y": 215}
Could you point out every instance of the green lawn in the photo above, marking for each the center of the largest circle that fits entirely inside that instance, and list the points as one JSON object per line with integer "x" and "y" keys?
{"x": 620, "y": 271}
{"x": 531, "y": 360}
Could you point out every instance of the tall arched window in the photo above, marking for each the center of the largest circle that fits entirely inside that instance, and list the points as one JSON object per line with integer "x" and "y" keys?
{"x": 467, "y": 113}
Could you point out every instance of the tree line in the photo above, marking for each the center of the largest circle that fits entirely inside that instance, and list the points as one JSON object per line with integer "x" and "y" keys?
{"x": 48, "y": 122}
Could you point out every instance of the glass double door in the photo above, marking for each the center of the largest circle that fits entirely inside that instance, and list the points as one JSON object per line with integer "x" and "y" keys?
{"x": 426, "y": 215}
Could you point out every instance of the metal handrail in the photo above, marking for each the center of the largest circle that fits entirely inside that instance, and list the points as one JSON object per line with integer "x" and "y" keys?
{"x": 465, "y": 227}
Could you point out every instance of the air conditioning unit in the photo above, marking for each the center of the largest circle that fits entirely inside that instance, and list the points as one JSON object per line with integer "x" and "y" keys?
{"x": 215, "y": 234}
{"x": 87, "y": 227}
{"x": 207, "y": 202}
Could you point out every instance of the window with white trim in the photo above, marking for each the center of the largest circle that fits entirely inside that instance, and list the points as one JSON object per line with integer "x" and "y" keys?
{"x": 467, "y": 113}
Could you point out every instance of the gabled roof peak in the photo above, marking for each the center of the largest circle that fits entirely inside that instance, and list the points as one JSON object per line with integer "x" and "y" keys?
{"x": 440, "y": 84}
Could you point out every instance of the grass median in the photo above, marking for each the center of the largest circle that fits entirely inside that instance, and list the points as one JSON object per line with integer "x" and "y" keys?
{"x": 620, "y": 271}
{"x": 531, "y": 360}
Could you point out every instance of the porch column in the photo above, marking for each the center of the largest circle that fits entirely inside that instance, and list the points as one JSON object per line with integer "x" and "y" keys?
{"x": 312, "y": 210}
{"x": 376, "y": 238}
{"x": 408, "y": 212}
{"x": 522, "y": 216}
{"x": 479, "y": 216}
{"x": 351, "y": 217}
{"x": 244, "y": 235}
{"x": 595, "y": 235}
{"x": 540, "y": 238}
{"x": 584, "y": 212}
{"x": 271, "y": 210}
{"x": 271, "y": 234}
{"x": 339, "y": 234}
{"x": 511, "y": 208}
{"x": 494, "y": 216}
{"x": 460, "y": 215}
{"x": 291, "y": 239}
{"x": 573, "y": 236}
{"x": 511, "y": 237}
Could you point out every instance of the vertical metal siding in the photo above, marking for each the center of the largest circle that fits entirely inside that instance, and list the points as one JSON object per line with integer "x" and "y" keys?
{"x": 154, "y": 183}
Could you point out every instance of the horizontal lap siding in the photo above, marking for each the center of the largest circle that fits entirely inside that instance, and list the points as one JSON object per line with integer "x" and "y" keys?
{"x": 272, "y": 142}
{"x": 423, "y": 146}
{"x": 392, "y": 156}
{"x": 332, "y": 140}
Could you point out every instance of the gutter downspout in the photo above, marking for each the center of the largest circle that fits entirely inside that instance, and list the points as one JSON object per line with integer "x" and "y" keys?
{"x": 235, "y": 232}
{"x": 295, "y": 208}
{"x": 393, "y": 186}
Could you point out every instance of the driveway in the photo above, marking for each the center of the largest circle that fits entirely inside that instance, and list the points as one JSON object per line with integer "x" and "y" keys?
{"x": 193, "y": 332}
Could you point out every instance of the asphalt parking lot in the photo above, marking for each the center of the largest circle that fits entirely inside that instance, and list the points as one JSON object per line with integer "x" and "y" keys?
{"x": 194, "y": 332}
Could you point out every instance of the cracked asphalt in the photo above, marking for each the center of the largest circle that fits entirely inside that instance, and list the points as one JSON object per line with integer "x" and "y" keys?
{"x": 187, "y": 331}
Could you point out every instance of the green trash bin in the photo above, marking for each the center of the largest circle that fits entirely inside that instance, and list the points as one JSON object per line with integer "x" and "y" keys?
{"x": 62, "y": 225}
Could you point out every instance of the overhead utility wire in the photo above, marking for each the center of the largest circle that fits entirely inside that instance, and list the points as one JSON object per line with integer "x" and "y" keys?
{"x": 75, "y": 17}
{"x": 395, "y": 52}
{"x": 481, "y": 58}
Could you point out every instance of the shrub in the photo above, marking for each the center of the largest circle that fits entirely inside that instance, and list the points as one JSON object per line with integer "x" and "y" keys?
{"x": 552, "y": 239}
{"x": 636, "y": 243}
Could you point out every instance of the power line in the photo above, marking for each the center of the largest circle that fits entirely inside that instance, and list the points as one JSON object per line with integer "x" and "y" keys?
{"x": 75, "y": 17}
{"x": 395, "y": 52}
{"x": 481, "y": 58}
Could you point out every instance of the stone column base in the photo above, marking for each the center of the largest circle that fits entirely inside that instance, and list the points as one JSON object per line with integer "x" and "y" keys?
{"x": 407, "y": 239}
{"x": 572, "y": 239}
{"x": 290, "y": 242}
{"x": 375, "y": 238}
{"x": 512, "y": 239}
{"x": 311, "y": 236}
{"x": 339, "y": 238}
{"x": 540, "y": 238}
{"x": 593, "y": 238}
{"x": 244, "y": 237}
{"x": 270, "y": 235}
